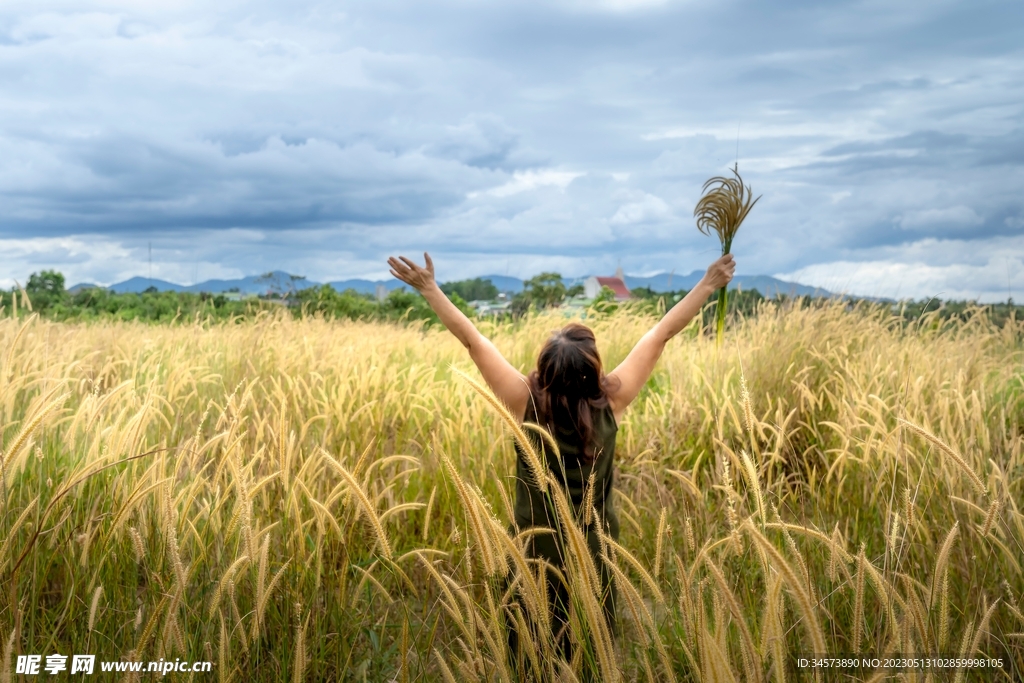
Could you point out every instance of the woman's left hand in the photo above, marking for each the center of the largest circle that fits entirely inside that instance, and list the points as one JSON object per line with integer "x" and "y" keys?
{"x": 411, "y": 274}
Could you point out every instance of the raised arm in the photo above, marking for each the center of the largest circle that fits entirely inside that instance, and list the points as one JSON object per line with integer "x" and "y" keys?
{"x": 507, "y": 383}
{"x": 633, "y": 372}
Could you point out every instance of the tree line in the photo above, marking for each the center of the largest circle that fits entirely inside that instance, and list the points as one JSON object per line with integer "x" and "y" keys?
{"x": 45, "y": 293}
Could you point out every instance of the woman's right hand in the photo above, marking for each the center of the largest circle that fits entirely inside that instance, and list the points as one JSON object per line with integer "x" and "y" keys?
{"x": 408, "y": 272}
{"x": 719, "y": 273}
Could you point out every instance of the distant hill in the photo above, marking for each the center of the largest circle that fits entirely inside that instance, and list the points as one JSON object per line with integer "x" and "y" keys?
{"x": 768, "y": 286}
{"x": 771, "y": 287}
{"x": 505, "y": 283}
{"x": 665, "y": 282}
{"x": 280, "y": 281}
{"x": 82, "y": 286}
{"x": 502, "y": 282}
{"x": 141, "y": 284}
{"x": 254, "y": 284}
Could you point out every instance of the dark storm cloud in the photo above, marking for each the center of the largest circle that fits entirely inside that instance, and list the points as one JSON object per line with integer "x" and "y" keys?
{"x": 569, "y": 134}
{"x": 128, "y": 183}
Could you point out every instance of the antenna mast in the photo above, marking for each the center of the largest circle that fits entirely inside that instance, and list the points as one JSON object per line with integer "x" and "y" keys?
{"x": 737, "y": 146}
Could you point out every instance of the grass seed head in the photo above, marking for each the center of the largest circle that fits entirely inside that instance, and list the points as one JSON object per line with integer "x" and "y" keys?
{"x": 723, "y": 207}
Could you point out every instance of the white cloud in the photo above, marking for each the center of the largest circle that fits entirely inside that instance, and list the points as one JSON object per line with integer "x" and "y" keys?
{"x": 926, "y": 271}
{"x": 78, "y": 26}
{"x": 857, "y": 128}
{"x": 75, "y": 256}
{"x": 524, "y": 181}
{"x": 625, "y": 5}
{"x": 931, "y": 219}
{"x": 647, "y": 209}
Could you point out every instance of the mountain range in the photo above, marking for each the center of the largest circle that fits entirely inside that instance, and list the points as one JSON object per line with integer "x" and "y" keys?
{"x": 279, "y": 281}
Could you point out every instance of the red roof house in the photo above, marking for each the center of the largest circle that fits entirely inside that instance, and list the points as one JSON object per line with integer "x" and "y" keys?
{"x": 593, "y": 284}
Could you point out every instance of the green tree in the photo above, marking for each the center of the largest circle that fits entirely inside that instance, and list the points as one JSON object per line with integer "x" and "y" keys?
{"x": 333, "y": 304}
{"x": 476, "y": 289}
{"x": 605, "y": 301}
{"x": 545, "y": 290}
{"x": 46, "y": 289}
{"x": 48, "y": 281}
{"x": 644, "y": 293}
{"x": 401, "y": 304}
{"x": 520, "y": 304}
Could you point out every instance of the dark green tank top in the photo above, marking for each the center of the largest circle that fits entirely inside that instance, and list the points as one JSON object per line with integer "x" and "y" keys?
{"x": 532, "y": 508}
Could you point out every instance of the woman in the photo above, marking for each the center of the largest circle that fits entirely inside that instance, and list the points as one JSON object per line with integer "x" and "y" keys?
{"x": 580, "y": 406}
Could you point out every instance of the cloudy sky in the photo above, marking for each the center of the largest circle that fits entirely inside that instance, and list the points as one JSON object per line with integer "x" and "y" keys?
{"x": 886, "y": 136}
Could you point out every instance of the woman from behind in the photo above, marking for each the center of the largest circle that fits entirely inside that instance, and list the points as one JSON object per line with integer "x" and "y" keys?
{"x": 569, "y": 396}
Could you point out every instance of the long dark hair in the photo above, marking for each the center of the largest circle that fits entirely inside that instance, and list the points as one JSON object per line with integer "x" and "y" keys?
{"x": 569, "y": 383}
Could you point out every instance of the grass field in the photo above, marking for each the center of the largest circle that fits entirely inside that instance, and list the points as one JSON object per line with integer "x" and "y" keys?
{"x": 313, "y": 500}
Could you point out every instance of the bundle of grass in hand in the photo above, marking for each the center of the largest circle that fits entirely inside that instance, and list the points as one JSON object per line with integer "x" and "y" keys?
{"x": 721, "y": 209}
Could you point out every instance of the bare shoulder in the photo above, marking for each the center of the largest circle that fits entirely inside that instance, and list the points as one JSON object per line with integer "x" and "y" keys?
{"x": 613, "y": 391}
{"x": 520, "y": 401}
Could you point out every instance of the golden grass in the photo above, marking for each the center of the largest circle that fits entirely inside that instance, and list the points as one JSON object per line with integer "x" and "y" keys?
{"x": 310, "y": 500}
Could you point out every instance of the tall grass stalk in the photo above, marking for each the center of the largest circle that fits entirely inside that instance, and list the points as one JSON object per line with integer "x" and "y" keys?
{"x": 167, "y": 487}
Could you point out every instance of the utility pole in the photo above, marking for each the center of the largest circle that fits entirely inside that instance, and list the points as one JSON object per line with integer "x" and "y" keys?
{"x": 150, "y": 263}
